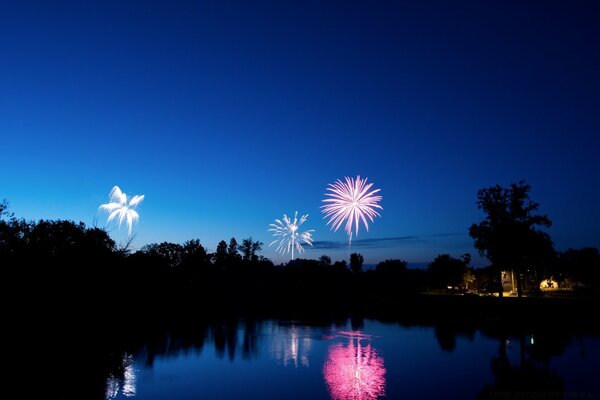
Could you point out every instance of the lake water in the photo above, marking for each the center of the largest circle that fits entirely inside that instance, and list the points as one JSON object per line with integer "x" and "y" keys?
{"x": 367, "y": 359}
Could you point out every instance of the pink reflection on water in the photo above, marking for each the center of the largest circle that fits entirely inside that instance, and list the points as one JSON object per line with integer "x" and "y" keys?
{"x": 354, "y": 371}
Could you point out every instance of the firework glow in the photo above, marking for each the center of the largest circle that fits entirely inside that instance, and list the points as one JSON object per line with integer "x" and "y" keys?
{"x": 351, "y": 202}
{"x": 288, "y": 237}
{"x": 119, "y": 205}
{"x": 354, "y": 371}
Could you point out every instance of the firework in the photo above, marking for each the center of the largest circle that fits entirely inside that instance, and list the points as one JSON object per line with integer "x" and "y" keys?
{"x": 351, "y": 202}
{"x": 288, "y": 237}
{"x": 119, "y": 205}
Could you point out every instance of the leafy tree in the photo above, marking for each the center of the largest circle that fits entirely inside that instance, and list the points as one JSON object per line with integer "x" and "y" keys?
{"x": 60, "y": 256}
{"x": 97, "y": 240}
{"x": 171, "y": 254}
{"x": 246, "y": 249}
{"x": 391, "y": 266}
{"x": 356, "y": 262}
{"x": 469, "y": 273}
{"x": 391, "y": 277}
{"x": 194, "y": 261}
{"x": 13, "y": 235}
{"x": 447, "y": 271}
{"x": 194, "y": 253}
{"x": 340, "y": 266}
{"x": 469, "y": 278}
{"x": 220, "y": 256}
{"x": 324, "y": 261}
{"x": 3, "y": 208}
{"x": 67, "y": 240}
{"x": 582, "y": 265}
{"x": 256, "y": 247}
{"x": 509, "y": 236}
{"x": 232, "y": 251}
{"x": 249, "y": 248}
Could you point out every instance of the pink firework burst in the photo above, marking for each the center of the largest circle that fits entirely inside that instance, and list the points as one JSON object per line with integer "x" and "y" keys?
{"x": 351, "y": 202}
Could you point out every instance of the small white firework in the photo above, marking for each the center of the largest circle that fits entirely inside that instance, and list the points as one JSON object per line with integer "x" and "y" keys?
{"x": 288, "y": 237}
{"x": 120, "y": 206}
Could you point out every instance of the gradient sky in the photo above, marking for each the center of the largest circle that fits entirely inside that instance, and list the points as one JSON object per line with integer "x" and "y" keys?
{"x": 226, "y": 115}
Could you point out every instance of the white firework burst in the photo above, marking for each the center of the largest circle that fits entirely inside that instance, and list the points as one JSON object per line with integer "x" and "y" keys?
{"x": 120, "y": 206}
{"x": 288, "y": 237}
{"x": 352, "y": 202}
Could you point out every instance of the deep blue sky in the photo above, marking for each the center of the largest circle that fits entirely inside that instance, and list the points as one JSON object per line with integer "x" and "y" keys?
{"x": 226, "y": 115}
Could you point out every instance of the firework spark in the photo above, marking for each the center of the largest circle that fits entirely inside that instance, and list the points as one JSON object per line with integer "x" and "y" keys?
{"x": 288, "y": 237}
{"x": 120, "y": 206}
{"x": 351, "y": 201}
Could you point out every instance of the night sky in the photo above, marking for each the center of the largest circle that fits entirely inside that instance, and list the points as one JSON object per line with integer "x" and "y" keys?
{"x": 226, "y": 115}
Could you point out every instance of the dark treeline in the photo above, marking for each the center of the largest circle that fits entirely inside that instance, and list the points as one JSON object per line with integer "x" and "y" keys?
{"x": 66, "y": 264}
{"x": 62, "y": 265}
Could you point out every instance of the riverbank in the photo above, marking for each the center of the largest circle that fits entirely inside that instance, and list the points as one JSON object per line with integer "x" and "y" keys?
{"x": 415, "y": 309}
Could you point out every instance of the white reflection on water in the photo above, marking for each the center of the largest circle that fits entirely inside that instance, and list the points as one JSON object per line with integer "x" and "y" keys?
{"x": 291, "y": 345}
{"x": 354, "y": 371}
{"x": 126, "y": 384}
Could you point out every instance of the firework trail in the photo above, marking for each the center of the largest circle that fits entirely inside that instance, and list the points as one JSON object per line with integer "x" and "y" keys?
{"x": 351, "y": 202}
{"x": 119, "y": 205}
{"x": 288, "y": 237}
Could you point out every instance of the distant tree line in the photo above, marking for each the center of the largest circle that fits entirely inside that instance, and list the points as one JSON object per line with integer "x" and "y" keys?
{"x": 63, "y": 261}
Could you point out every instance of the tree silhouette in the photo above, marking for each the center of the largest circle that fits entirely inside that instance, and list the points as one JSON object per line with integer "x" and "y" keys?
{"x": 194, "y": 259}
{"x": 194, "y": 252}
{"x": 171, "y": 254}
{"x": 509, "y": 236}
{"x": 13, "y": 235}
{"x": 220, "y": 255}
{"x": 256, "y": 247}
{"x": 232, "y": 252}
{"x": 249, "y": 248}
{"x": 356, "y": 262}
{"x": 391, "y": 266}
{"x": 3, "y": 208}
{"x": 447, "y": 271}
{"x": 339, "y": 266}
{"x": 324, "y": 261}
{"x": 582, "y": 265}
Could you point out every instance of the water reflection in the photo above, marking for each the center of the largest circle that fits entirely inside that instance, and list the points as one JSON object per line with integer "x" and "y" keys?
{"x": 124, "y": 382}
{"x": 522, "y": 367}
{"x": 355, "y": 370}
{"x": 291, "y": 346}
{"x": 333, "y": 359}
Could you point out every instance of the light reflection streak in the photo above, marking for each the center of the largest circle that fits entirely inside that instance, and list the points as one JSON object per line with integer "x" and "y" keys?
{"x": 292, "y": 347}
{"x": 354, "y": 371}
{"x": 126, "y": 383}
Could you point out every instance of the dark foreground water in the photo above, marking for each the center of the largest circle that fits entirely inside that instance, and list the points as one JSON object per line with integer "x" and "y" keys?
{"x": 364, "y": 359}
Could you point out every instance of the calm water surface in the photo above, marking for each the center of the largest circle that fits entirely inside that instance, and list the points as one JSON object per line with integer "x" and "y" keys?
{"x": 365, "y": 360}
